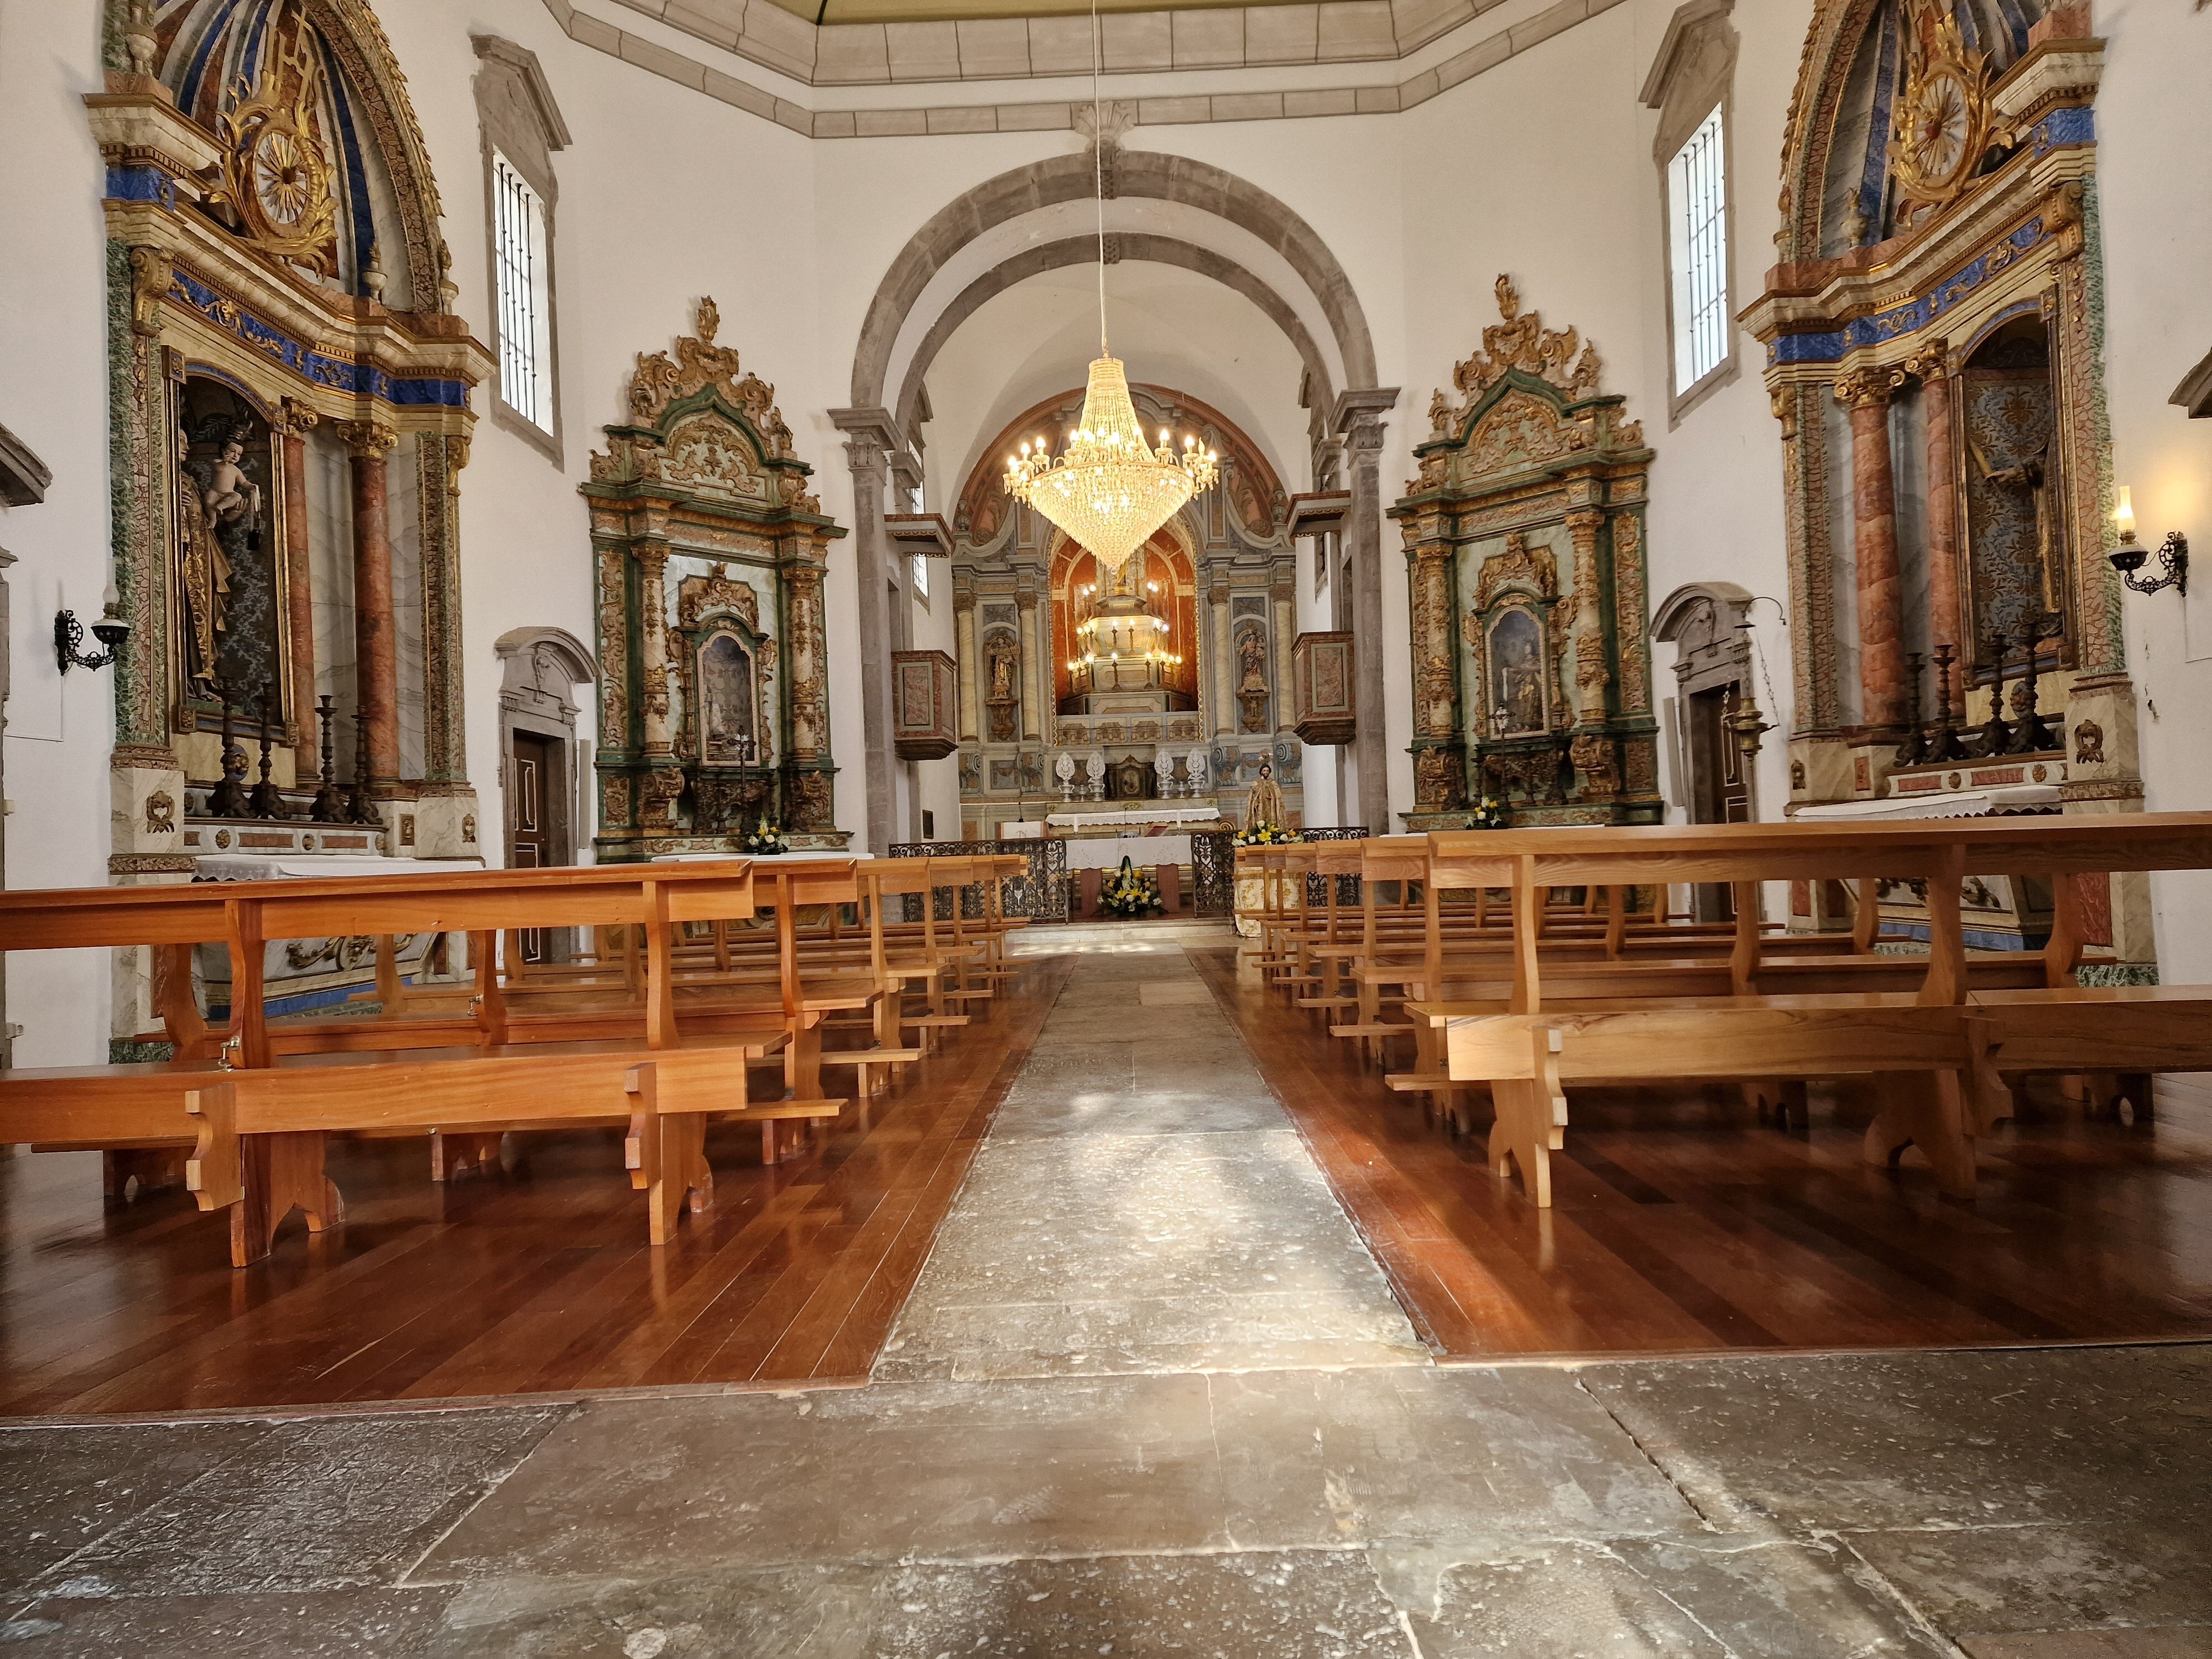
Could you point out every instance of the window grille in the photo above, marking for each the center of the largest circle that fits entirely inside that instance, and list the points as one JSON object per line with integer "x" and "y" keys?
{"x": 518, "y": 237}
{"x": 1697, "y": 192}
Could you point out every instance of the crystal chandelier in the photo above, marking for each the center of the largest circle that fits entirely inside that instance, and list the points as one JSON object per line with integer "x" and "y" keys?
{"x": 1108, "y": 490}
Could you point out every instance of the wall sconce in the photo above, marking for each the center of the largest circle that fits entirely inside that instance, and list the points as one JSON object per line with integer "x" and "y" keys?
{"x": 2130, "y": 555}
{"x": 111, "y": 631}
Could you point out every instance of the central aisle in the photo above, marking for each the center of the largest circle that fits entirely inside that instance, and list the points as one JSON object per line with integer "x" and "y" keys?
{"x": 1142, "y": 1204}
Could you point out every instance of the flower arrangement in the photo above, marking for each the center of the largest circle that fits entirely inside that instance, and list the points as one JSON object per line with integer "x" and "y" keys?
{"x": 1261, "y": 833}
{"x": 765, "y": 839}
{"x": 1130, "y": 894}
{"x": 1491, "y": 813}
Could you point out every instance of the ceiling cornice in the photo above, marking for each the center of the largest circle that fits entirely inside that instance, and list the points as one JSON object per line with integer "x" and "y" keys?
{"x": 1154, "y": 43}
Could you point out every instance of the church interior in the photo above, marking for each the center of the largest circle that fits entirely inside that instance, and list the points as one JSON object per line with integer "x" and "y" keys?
{"x": 908, "y": 828}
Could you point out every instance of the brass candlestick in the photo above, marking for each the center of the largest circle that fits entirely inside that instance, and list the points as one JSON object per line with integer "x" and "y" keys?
{"x": 1915, "y": 744}
{"x": 267, "y": 800}
{"x": 1997, "y": 731}
{"x": 330, "y": 806}
{"x": 1942, "y": 746}
{"x": 360, "y": 809}
{"x": 229, "y": 798}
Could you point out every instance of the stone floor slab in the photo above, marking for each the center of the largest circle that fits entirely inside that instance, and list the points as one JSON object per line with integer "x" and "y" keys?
{"x": 1578, "y": 1598}
{"x": 2003, "y": 1579}
{"x": 393, "y": 1624}
{"x": 1311, "y": 1605}
{"x": 2193, "y": 1642}
{"x": 1979, "y": 1439}
{"x": 316, "y": 1504}
{"x": 1320, "y": 1458}
{"x": 62, "y": 1488}
{"x": 992, "y": 1470}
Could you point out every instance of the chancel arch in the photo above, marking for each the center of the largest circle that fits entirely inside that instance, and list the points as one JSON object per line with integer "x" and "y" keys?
{"x": 1174, "y": 670}
{"x": 1231, "y": 224}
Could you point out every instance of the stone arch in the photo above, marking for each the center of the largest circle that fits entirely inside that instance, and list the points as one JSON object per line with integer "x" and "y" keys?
{"x": 1143, "y": 174}
{"x": 1139, "y": 247}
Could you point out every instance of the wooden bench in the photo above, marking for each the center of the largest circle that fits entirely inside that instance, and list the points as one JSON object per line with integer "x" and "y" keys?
{"x": 254, "y": 1102}
{"x": 1942, "y": 1050}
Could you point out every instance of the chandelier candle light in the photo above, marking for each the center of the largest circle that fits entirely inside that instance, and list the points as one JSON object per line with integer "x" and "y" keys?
{"x": 1107, "y": 490}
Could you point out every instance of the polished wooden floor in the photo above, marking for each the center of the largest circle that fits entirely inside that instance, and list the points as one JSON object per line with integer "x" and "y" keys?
{"x": 538, "y": 1280}
{"x": 1681, "y": 1224}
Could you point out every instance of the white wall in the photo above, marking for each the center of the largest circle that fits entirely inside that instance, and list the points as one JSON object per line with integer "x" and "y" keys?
{"x": 2155, "y": 182}
{"x": 53, "y": 397}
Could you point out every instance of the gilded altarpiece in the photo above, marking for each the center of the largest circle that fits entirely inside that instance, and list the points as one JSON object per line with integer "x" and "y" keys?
{"x": 1524, "y": 551}
{"x": 1933, "y": 329}
{"x": 710, "y": 553}
{"x": 283, "y": 361}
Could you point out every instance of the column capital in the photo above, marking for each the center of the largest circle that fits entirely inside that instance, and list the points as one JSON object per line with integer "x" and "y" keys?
{"x": 368, "y": 440}
{"x": 1358, "y": 415}
{"x": 296, "y": 418}
{"x": 1867, "y": 388}
{"x": 1932, "y": 361}
{"x": 1024, "y": 597}
{"x": 871, "y": 436}
{"x": 1583, "y": 524}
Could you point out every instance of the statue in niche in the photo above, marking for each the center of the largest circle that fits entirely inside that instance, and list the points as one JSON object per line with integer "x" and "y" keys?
{"x": 1003, "y": 660}
{"x": 204, "y": 571}
{"x": 1517, "y": 673}
{"x": 727, "y": 704}
{"x": 227, "y": 579}
{"x": 2027, "y": 475}
{"x": 1252, "y": 677}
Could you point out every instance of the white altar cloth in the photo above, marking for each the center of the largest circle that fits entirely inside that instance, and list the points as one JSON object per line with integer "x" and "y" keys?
{"x": 1954, "y": 803}
{"x": 1105, "y": 852}
{"x": 1150, "y": 815}
{"x": 253, "y": 866}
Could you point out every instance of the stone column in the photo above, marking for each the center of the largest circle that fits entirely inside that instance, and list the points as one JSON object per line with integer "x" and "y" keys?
{"x": 1359, "y": 416}
{"x": 300, "y": 593}
{"x": 963, "y": 641}
{"x": 873, "y": 433}
{"x": 1435, "y": 705}
{"x": 1036, "y": 671}
{"x": 1591, "y": 673}
{"x": 1286, "y": 598}
{"x": 376, "y": 667}
{"x": 1225, "y": 663}
{"x": 1932, "y": 368}
{"x": 653, "y": 647}
{"x": 1865, "y": 393}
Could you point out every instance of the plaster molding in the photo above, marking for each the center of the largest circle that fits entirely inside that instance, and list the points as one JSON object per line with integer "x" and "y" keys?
{"x": 844, "y": 55}
{"x": 23, "y": 476}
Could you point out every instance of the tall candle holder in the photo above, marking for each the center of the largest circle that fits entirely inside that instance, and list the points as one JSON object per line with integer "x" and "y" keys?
{"x": 267, "y": 800}
{"x": 1943, "y": 746}
{"x": 2032, "y": 734}
{"x": 229, "y": 798}
{"x": 1916, "y": 741}
{"x": 360, "y": 809}
{"x": 1997, "y": 731}
{"x": 330, "y": 804}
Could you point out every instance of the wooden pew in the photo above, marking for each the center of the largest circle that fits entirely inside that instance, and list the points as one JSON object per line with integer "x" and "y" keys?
{"x": 256, "y": 1117}
{"x": 1941, "y": 1050}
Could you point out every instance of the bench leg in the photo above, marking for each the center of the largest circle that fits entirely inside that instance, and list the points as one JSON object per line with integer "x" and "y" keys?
{"x": 281, "y": 1173}
{"x": 155, "y": 1169}
{"x": 666, "y": 1154}
{"x": 1781, "y": 1097}
{"x": 453, "y": 1154}
{"x": 1931, "y": 1110}
{"x": 1531, "y": 1121}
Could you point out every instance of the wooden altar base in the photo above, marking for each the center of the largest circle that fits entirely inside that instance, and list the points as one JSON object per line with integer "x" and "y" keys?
{"x": 1682, "y": 1224}
{"x": 537, "y": 1281}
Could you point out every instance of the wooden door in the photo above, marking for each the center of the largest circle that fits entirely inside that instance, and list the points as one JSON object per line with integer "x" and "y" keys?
{"x": 530, "y": 819}
{"x": 1718, "y": 793}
